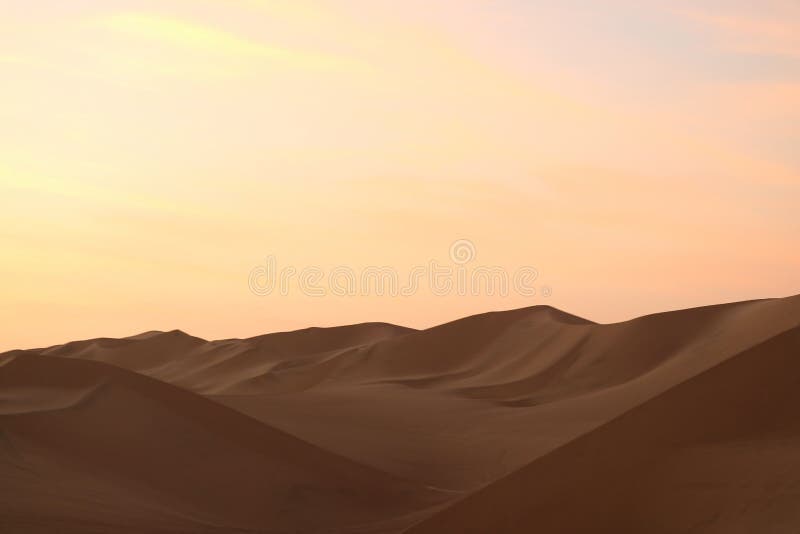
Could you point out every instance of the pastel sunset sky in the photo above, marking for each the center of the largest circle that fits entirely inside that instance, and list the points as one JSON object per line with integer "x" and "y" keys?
{"x": 641, "y": 155}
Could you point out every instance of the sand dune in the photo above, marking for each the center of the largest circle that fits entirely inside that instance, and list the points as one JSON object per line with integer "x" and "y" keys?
{"x": 465, "y": 382}
{"x": 173, "y": 459}
{"x": 206, "y": 366}
{"x": 719, "y": 453}
{"x": 376, "y": 427}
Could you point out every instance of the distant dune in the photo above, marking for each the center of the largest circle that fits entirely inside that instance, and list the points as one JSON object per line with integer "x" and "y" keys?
{"x": 531, "y": 420}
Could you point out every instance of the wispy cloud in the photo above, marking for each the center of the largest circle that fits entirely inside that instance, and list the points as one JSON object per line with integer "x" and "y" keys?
{"x": 772, "y": 32}
{"x": 203, "y": 38}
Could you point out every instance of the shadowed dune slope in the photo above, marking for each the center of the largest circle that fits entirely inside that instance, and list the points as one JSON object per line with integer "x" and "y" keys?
{"x": 719, "y": 453}
{"x": 122, "y": 449}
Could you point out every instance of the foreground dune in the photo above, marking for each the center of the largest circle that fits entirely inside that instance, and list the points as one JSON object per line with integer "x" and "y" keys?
{"x": 124, "y": 449}
{"x": 719, "y": 453}
{"x": 518, "y": 421}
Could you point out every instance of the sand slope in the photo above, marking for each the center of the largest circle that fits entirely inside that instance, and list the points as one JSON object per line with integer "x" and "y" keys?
{"x": 376, "y": 427}
{"x": 719, "y": 453}
{"x": 171, "y": 459}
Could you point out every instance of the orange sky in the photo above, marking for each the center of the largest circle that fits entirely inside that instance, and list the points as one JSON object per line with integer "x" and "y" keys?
{"x": 640, "y": 155}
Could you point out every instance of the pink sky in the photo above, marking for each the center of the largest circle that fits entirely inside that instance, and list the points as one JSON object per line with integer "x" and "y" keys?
{"x": 641, "y": 155}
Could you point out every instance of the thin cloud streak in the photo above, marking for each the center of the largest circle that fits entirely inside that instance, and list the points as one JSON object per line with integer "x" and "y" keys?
{"x": 207, "y": 39}
{"x": 747, "y": 34}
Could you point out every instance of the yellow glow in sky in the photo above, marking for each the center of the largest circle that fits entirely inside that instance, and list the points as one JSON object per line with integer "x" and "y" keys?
{"x": 641, "y": 156}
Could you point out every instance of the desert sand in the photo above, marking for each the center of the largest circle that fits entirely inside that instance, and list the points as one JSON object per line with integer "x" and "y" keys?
{"x": 530, "y": 420}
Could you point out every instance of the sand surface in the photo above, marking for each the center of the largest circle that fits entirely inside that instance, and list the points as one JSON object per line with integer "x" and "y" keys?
{"x": 530, "y": 420}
